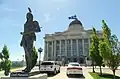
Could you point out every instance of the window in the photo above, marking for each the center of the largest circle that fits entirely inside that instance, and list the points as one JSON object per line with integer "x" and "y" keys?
{"x": 62, "y": 45}
{"x": 80, "y": 47}
{"x": 80, "y": 41}
{"x": 57, "y": 42}
{"x": 57, "y": 47}
{"x": 74, "y": 47}
{"x": 85, "y": 40}
{"x": 74, "y": 64}
{"x": 62, "y": 41}
{"x": 74, "y": 40}
{"x": 68, "y": 50}
{"x": 50, "y": 43}
{"x": 68, "y": 41}
{"x": 57, "y": 52}
{"x": 86, "y": 45}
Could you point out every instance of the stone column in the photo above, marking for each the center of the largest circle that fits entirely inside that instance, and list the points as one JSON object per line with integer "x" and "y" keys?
{"x": 89, "y": 45}
{"x": 52, "y": 47}
{"x": 60, "y": 50}
{"x": 65, "y": 50}
{"x": 71, "y": 50}
{"x": 47, "y": 52}
{"x": 55, "y": 50}
{"x": 45, "y": 49}
{"x": 83, "y": 47}
{"x": 77, "y": 48}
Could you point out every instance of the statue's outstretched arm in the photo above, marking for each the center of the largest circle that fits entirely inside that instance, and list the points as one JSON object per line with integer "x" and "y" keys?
{"x": 37, "y": 27}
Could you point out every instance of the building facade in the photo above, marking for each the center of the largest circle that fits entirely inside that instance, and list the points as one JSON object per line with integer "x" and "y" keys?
{"x": 70, "y": 45}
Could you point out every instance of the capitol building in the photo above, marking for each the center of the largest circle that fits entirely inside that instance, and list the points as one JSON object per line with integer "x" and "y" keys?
{"x": 71, "y": 45}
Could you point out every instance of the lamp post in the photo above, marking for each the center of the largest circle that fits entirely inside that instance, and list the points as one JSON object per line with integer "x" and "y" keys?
{"x": 40, "y": 50}
{"x": 23, "y": 59}
{"x": 85, "y": 61}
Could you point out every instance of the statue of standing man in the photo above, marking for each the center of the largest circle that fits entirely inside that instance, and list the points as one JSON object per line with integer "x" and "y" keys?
{"x": 28, "y": 37}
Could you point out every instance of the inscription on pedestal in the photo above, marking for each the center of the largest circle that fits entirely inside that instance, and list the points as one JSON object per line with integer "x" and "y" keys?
{"x": 19, "y": 74}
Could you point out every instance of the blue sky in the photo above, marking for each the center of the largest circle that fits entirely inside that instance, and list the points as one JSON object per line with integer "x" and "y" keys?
{"x": 53, "y": 16}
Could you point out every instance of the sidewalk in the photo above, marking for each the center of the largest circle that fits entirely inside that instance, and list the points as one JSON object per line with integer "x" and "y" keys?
{"x": 86, "y": 71}
{"x": 97, "y": 67}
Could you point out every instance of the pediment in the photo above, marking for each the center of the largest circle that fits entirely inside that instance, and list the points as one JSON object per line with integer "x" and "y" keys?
{"x": 72, "y": 33}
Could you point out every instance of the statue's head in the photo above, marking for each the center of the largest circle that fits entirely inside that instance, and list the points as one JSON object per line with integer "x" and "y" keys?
{"x": 29, "y": 16}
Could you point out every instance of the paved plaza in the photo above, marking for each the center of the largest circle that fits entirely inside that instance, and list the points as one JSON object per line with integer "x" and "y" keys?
{"x": 62, "y": 74}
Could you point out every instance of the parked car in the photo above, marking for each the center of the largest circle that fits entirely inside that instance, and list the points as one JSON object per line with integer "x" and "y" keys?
{"x": 74, "y": 68}
{"x": 50, "y": 67}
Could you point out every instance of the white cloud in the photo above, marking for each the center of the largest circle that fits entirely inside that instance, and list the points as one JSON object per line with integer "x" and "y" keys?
{"x": 47, "y": 17}
{"x": 58, "y": 9}
{"x": 59, "y": 0}
{"x": 9, "y": 9}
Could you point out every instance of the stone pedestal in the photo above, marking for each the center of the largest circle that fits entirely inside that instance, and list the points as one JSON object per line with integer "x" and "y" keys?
{"x": 39, "y": 76}
{"x": 31, "y": 75}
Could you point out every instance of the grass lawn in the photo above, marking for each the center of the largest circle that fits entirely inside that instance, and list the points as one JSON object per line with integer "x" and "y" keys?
{"x": 13, "y": 69}
{"x": 104, "y": 76}
{"x": 108, "y": 76}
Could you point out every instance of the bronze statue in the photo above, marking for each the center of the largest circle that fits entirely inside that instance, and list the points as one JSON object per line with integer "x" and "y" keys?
{"x": 28, "y": 37}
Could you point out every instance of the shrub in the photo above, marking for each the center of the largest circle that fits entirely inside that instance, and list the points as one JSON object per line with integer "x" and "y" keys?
{"x": 5, "y": 62}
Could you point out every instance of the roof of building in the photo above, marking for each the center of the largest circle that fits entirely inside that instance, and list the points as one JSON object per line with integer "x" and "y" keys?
{"x": 76, "y": 21}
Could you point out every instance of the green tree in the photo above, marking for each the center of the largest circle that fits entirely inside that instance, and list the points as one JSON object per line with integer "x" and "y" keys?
{"x": 109, "y": 48}
{"x": 5, "y": 63}
{"x": 115, "y": 57}
{"x": 35, "y": 56}
{"x": 94, "y": 51}
{"x": 104, "y": 45}
{"x": 0, "y": 60}
{"x": 5, "y": 52}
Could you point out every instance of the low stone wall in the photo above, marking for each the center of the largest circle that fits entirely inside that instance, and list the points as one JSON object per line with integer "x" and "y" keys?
{"x": 39, "y": 76}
